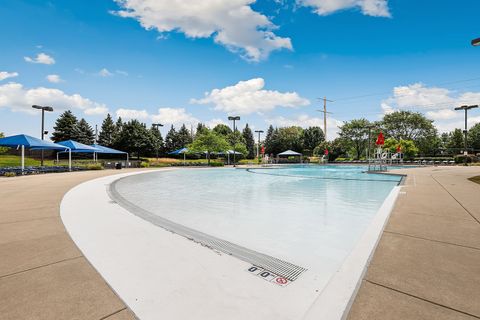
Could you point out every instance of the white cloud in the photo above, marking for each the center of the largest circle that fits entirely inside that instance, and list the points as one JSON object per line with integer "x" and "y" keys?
{"x": 232, "y": 23}
{"x": 132, "y": 114}
{"x": 121, "y": 72}
{"x": 54, "y": 78}
{"x": 173, "y": 116}
{"x": 5, "y": 75}
{"x": 41, "y": 58}
{"x": 98, "y": 110}
{"x": 17, "y": 98}
{"x": 214, "y": 122}
{"x": 436, "y": 103}
{"x": 247, "y": 97}
{"x": 104, "y": 73}
{"x": 375, "y": 8}
{"x": 305, "y": 121}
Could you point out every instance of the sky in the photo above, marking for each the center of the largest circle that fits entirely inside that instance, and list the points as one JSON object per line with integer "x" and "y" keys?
{"x": 268, "y": 61}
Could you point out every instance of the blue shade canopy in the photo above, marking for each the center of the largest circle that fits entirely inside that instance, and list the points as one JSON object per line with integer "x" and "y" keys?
{"x": 30, "y": 143}
{"x": 102, "y": 149}
{"x": 78, "y": 147}
{"x": 289, "y": 153}
{"x": 230, "y": 152}
{"x": 179, "y": 151}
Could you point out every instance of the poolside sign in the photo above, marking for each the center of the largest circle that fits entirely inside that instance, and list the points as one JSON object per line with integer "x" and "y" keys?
{"x": 268, "y": 276}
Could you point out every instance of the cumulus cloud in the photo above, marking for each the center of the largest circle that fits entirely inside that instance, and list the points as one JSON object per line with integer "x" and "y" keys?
{"x": 174, "y": 116}
{"x": 5, "y": 75}
{"x": 41, "y": 58}
{"x": 132, "y": 114}
{"x": 214, "y": 122}
{"x": 375, "y": 8}
{"x": 305, "y": 121}
{"x": 436, "y": 103}
{"x": 54, "y": 78}
{"x": 247, "y": 97}
{"x": 233, "y": 24}
{"x": 17, "y": 98}
{"x": 104, "y": 73}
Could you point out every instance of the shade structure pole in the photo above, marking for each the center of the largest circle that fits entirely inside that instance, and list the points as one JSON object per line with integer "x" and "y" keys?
{"x": 184, "y": 158}
{"x": 128, "y": 163}
{"x": 57, "y": 157}
{"x": 69, "y": 159}
{"x": 23, "y": 158}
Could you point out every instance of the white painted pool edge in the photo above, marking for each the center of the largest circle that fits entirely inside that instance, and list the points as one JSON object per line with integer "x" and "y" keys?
{"x": 336, "y": 299}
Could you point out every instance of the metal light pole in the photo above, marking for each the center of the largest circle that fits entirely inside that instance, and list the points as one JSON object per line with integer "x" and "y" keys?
{"x": 43, "y": 108}
{"x": 235, "y": 118}
{"x": 156, "y": 125}
{"x": 258, "y": 142}
{"x": 466, "y": 108}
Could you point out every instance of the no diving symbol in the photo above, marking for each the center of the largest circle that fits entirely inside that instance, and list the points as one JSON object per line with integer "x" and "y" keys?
{"x": 281, "y": 280}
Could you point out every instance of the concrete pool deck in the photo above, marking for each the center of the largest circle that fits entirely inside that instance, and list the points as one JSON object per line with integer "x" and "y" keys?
{"x": 426, "y": 265}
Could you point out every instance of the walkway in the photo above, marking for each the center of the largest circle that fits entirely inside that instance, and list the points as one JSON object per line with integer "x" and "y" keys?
{"x": 42, "y": 273}
{"x": 427, "y": 264}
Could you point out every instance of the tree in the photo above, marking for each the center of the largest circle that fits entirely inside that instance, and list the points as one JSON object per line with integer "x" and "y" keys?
{"x": 407, "y": 125}
{"x": 290, "y": 138}
{"x": 2, "y": 149}
{"x": 354, "y": 135}
{"x": 249, "y": 142}
{"x": 209, "y": 141}
{"x": 183, "y": 136}
{"x": 201, "y": 128}
{"x": 474, "y": 137}
{"x": 407, "y": 146}
{"x": 456, "y": 140}
{"x": 65, "y": 127}
{"x": 222, "y": 129}
{"x": 135, "y": 138}
{"x": 272, "y": 141}
{"x": 85, "y": 133}
{"x": 108, "y": 131}
{"x": 157, "y": 140}
{"x": 171, "y": 140}
{"x": 312, "y": 137}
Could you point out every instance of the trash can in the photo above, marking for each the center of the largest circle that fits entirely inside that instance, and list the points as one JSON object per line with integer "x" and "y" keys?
{"x": 118, "y": 165}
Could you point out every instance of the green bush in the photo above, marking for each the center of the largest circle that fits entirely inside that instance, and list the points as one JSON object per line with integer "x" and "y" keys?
{"x": 216, "y": 164}
{"x": 144, "y": 164}
{"x": 94, "y": 166}
{"x": 470, "y": 159}
{"x": 340, "y": 159}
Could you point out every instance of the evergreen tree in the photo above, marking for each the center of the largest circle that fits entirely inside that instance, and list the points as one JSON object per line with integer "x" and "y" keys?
{"x": 249, "y": 141}
{"x": 474, "y": 137}
{"x": 85, "y": 133}
{"x": 171, "y": 140}
{"x": 135, "y": 138}
{"x": 107, "y": 133}
{"x": 183, "y": 136}
{"x": 272, "y": 141}
{"x": 157, "y": 140}
{"x": 65, "y": 127}
{"x": 456, "y": 141}
{"x": 312, "y": 137}
{"x": 201, "y": 128}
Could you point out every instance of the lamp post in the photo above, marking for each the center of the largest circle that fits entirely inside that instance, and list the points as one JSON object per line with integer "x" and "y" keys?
{"x": 370, "y": 127}
{"x": 43, "y": 108}
{"x": 258, "y": 142}
{"x": 234, "y": 118}
{"x": 476, "y": 42}
{"x": 156, "y": 125}
{"x": 466, "y": 108}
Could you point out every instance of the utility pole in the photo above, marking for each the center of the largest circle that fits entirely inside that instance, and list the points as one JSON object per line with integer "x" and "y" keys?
{"x": 234, "y": 118}
{"x": 325, "y": 100}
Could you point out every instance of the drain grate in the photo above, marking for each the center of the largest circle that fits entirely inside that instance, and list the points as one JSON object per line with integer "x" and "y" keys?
{"x": 272, "y": 264}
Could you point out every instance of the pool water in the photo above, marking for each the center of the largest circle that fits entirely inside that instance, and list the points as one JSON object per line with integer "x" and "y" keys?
{"x": 311, "y": 216}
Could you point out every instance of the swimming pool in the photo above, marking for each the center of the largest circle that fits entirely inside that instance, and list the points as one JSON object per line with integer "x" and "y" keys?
{"x": 309, "y": 216}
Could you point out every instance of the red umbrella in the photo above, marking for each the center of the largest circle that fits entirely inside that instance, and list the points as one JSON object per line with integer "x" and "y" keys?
{"x": 399, "y": 149}
{"x": 380, "y": 140}
{"x": 326, "y": 152}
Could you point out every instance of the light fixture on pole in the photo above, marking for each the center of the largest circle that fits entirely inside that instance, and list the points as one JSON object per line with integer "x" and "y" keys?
{"x": 234, "y": 118}
{"x": 258, "y": 142}
{"x": 476, "y": 42}
{"x": 466, "y": 108}
{"x": 43, "y": 108}
{"x": 156, "y": 125}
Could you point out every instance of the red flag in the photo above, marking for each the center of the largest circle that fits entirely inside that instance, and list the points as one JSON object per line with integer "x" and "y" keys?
{"x": 380, "y": 140}
{"x": 262, "y": 151}
{"x": 326, "y": 152}
{"x": 399, "y": 149}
